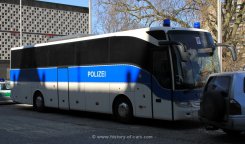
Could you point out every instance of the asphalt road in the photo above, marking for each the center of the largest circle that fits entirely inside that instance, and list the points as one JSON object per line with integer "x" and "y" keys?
{"x": 19, "y": 124}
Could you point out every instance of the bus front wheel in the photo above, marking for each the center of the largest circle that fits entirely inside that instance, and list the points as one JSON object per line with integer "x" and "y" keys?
{"x": 38, "y": 104}
{"x": 123, "y": 110}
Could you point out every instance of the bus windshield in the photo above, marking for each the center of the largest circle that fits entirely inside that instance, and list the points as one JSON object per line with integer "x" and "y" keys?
{"x": 202, "y": 57}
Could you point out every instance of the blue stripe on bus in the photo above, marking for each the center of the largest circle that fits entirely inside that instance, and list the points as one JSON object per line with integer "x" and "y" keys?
{"x": 116, "y": 73}
{"x": 109, "y": 74}
{"x": 34, "y": 75}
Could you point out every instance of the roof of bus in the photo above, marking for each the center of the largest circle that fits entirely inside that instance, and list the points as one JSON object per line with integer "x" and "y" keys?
{"x": 138, "y": 33}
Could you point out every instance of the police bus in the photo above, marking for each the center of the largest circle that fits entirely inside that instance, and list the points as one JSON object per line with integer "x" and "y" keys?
{"x": 150, "y": 73}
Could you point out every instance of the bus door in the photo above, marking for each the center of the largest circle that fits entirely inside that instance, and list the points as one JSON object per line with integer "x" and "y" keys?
{"x": 162, "y": 83}
{"x": 63, "y": 85}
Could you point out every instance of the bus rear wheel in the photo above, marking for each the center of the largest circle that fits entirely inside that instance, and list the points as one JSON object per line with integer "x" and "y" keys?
{"x": 123, "y": 110}
{"x": 38, "y": 103}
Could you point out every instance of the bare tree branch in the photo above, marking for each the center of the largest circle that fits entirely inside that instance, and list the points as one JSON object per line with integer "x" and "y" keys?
{"x": 151, "y": 12}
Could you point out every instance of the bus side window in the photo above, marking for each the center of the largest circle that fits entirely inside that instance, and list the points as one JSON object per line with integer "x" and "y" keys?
{"x": 162, "y": 68}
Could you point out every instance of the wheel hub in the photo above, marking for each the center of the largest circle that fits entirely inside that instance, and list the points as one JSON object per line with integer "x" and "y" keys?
{"x": 123, "y": 110}
{"x": 39, "y": 101}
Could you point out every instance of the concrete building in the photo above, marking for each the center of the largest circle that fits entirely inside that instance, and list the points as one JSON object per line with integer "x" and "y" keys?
{"x": 40, "y": 22}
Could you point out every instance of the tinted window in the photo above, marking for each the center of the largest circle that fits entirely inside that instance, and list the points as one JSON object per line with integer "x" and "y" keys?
{"x": 113, "y": 50}
{"x": 61, "y": 55}
{"x": 131, "y": 51}
{"x": 158, "y": 34}
{"x": 92, "y": 51}
{"x": 24, "y": 58}
{"x": 41, "y": 56}
{"x": 162, "y": 67}
{"x": 54, "y": 55}
{"x": 192, "y": 39}
{"x": 220, "y": 83}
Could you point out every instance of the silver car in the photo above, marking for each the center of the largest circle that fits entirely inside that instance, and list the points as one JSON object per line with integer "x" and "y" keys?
{"x": 223, "y": 102}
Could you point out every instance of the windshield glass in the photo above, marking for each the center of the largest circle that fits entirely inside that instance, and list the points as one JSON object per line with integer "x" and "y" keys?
{"x": 202, "y": 56}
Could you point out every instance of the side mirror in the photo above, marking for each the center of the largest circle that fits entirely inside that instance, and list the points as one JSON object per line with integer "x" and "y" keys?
{"x": 183, "y": 53}
{"x": 231, "y": 49}
{"x": 181, "y": 48}
{"x": 179, "y": 79}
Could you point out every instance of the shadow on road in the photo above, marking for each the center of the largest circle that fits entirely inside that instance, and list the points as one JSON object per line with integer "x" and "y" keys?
{"x": 174, "y": 125}
{"x": 215, "y": 136}
{"x": 6, "y": 102}
{"x": 225, "y": 138}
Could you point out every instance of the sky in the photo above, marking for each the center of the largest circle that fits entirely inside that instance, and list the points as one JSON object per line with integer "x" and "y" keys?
{"x": 83, "y": 3}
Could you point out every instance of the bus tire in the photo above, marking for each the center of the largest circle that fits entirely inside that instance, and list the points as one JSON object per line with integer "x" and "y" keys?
{"x": 38, "y": 102}
{"x": 123, "y": 110}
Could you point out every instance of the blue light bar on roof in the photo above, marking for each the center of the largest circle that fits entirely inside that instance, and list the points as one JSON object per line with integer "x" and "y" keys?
{"x": 166, "y": 22}
{"x": 197, "y": 25}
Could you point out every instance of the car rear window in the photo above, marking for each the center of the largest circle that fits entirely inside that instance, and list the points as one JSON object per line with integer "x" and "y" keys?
{"x": 218, "y": 83}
